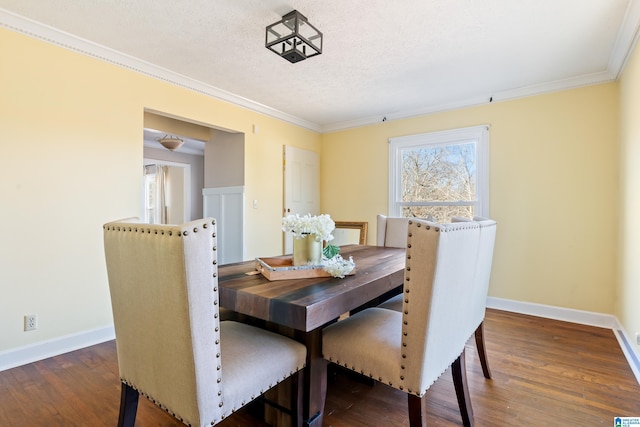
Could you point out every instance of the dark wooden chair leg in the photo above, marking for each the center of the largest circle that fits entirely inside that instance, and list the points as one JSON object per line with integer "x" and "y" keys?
{"x": 482, "y": 351}
{"x": 417, "y": 411}
{"x": 128, "y": 406}
{"x": 459, "y": 372}
{"x": 297, "y": 395}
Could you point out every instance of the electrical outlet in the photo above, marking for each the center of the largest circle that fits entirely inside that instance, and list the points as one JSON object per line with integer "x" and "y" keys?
{"x": 30, "y": 322}
{"x": 638, "y": 338}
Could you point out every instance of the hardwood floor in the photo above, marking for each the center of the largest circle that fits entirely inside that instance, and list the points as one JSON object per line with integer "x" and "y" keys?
{"x": 545, "y": 373}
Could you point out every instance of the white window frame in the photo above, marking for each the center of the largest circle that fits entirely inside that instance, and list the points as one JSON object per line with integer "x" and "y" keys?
{"x": 479, "y": 134}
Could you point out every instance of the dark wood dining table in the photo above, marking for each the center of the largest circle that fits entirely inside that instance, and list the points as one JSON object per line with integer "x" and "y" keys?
{"x": 304, "y": 306}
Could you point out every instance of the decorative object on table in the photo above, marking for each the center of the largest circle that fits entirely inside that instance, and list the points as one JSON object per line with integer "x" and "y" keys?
{"x": 338, "y": 266}
{"x": 282, "y": 268}
{"x": 308, "y": 234}
{"x": 307, "y": 250}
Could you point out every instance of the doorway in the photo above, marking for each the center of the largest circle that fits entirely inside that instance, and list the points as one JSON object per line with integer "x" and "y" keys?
{"x": 212, "y": 162}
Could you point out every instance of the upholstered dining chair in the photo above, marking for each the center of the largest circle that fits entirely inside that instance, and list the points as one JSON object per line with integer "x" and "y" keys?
{"x": 482, "y": 275}
{"x": 350, "y": 232}
{"x": 409, "y": 350}
{"x": 482, "y": 278}
{"x": 172, "y": 347}
{"x": 392, "y": 232}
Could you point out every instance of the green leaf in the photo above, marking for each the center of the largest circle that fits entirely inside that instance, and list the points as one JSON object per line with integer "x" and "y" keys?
{"x": 330, "y": 251}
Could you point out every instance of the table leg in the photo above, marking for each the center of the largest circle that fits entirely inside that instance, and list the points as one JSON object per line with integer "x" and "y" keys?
{"x": 315, "y": 379}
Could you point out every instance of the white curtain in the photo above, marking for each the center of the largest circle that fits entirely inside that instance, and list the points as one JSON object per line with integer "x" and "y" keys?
{"x": 155, "y": 194}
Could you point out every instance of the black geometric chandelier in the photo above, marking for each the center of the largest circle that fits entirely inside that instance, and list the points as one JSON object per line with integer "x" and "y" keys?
{"x": 294, "y": 38}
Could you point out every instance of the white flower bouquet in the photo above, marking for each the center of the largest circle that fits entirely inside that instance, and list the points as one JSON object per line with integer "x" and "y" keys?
{"x": 301, "y": 226}
{"x": 321, "y": 226}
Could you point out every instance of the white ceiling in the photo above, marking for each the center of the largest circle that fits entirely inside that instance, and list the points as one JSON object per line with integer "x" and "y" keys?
{"x": 381, "y": 59}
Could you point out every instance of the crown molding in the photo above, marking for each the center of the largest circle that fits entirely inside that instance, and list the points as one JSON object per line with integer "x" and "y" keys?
{"x": 383, "y": 118}
{"x": 68, "y": 41}
{"x": 559, "y": 85}
{"x": 627, "y": 39}
{"x": 623, "y": 48}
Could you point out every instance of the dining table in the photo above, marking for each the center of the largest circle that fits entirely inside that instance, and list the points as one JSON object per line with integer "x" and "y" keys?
{"x": 301, "y": 307}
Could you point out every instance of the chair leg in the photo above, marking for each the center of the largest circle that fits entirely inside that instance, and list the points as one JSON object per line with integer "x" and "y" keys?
{"x": 417, "y": 410}
{"x": 128, "y": 406}
{"x": 482, "y": 351}
{"x": 459, "y": 372}
{"x": 297, "y": 397}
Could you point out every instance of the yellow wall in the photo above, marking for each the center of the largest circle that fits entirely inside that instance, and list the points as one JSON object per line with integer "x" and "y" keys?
{"x": 553, "y": 190}
{"x": 628, "y": 310}
{"x": 71, "y": 156}
{"x": 71, "y": 152}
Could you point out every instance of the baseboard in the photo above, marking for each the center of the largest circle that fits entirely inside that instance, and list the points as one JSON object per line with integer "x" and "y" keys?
{"x": 629, "y": 351}
{"x": 575, "y": 316}
{"x": 551, "y": 312}
{"x": 42, "y": 350}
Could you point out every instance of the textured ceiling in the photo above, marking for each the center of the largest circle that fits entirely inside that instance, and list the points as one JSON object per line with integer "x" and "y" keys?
{"x": 380, "y": 58}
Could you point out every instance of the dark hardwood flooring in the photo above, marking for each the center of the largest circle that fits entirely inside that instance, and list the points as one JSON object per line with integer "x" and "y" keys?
{"x": 545, "y": 373}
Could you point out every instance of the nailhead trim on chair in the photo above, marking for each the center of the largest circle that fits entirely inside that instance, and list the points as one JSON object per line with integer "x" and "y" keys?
{"x": 214, "y": 262}
{"x": 154, "y": 401}
{"x": 407, "y": 290}
{"x": 185, "y": 233}
{"x": 149, "y": 230}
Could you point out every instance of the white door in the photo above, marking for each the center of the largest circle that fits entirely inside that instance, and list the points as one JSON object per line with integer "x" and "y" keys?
{"x": 301, "y": 186}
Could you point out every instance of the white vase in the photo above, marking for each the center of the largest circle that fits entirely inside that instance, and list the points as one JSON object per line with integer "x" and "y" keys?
{"x": 307, "y": 250}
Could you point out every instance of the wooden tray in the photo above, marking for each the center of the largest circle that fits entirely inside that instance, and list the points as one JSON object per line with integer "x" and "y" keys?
{"x": 282, "y": 268}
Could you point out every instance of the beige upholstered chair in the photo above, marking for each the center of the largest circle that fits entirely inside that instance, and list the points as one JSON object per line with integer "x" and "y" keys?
{"x": 171, "y": 345}
{"x": 409, "y": 350}
{"x": 482, "y": 277}
{"x": 391, "y": 232}
{"x": 481, "y": 286}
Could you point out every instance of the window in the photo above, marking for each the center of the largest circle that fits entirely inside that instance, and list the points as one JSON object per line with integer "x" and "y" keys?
{"x": 441, "y": 174}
